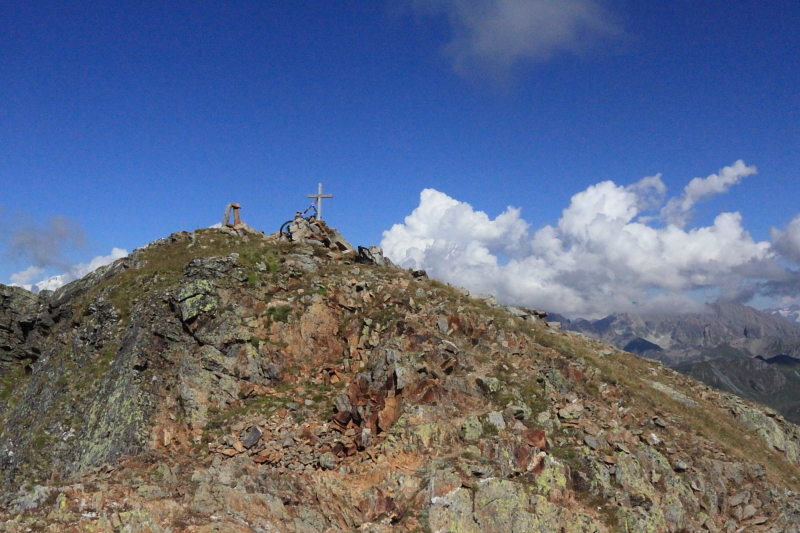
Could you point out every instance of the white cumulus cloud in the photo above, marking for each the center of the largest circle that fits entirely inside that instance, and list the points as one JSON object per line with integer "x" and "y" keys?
{"x": 601, "y": 256}
{"x": 678, "y": 210}
{"x": 81, "y": 269}
{"x": 27, "y": 275}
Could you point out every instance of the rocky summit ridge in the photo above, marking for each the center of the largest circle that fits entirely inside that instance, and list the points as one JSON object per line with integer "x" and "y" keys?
{"x": 226, "y": 380}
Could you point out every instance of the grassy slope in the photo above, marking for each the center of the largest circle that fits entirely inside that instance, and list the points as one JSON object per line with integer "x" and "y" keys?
{"x": 622, "y": 373}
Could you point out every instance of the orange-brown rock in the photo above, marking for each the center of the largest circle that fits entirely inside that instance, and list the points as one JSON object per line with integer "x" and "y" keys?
{"x": 536, "y": 438}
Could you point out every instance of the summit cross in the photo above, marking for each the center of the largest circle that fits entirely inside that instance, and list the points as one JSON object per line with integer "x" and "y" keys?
{"x": 319, "y": 196}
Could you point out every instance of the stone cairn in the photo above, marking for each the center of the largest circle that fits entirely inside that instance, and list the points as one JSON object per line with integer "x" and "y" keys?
{"x": 237, "y": 226}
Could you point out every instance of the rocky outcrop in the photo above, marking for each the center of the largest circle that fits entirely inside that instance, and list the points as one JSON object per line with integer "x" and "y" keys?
{"x": 18, "y": 309}
{"x": 497, "y": 505}
{"x": 223, "y": 382}
{"x": 315, "y": 231}
{"x": 374, "y": 256}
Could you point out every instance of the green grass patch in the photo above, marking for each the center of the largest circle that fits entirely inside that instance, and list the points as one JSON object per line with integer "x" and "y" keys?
{"x": 280, "y": 313}
{"x": 40, "y": 441}
{"x": 162, "y": 267}
{"x": 6, "y": 391}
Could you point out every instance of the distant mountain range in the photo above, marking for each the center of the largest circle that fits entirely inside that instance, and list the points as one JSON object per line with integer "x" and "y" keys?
{"x": 754, "y": 354}
{"x": 791, "y": 313}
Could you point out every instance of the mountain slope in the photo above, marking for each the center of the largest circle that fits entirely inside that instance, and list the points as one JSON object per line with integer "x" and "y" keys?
{"x": 692, "y": 337}
{"x": 726, "y": 347}
{"x": 791, "y": 313}
{"x": 773, "y": 383}
{"x": 216, "y": 381}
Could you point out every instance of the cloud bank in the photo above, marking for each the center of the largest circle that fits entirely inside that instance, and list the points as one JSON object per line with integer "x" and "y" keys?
{"x": 603, "y": 255}
{"x": 785, "y": 284}
{"x": 24, "y": 278}
{"x": 678, "y": 210}
{"x": 788, "y": 242}
{"x": 491, "y": 36}
{"x": 46, "y": 246}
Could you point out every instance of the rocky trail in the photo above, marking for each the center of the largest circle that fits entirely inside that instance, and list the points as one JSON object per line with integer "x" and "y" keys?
{"x": 229, "y": 381}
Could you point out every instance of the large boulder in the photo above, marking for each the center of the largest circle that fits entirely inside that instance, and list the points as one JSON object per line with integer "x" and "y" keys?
{"x": 17, "y": 315}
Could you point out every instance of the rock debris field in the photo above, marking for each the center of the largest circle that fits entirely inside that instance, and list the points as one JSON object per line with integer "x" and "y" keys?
{"x": 226, "y": 380}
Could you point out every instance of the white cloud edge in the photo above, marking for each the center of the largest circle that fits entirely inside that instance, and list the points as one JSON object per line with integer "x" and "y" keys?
{"x": 602, "y": 256}
{"x": 23, "y": 278}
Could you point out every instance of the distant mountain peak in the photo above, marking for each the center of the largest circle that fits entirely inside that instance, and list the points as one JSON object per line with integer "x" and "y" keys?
{"x": 790, "y": 313}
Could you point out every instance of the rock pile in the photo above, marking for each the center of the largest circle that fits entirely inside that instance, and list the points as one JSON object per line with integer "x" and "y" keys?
{"x": 373, "y": 256}
{"x": 314, "y": 231}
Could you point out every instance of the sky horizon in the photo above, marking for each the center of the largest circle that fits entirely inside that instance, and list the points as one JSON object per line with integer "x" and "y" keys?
{"x": 543, "y": 128}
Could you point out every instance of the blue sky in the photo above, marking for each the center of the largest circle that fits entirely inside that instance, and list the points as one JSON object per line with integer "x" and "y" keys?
{"x": 132, "y": 121}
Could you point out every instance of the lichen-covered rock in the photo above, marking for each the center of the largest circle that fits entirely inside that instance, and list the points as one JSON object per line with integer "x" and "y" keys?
{"x": 554, "y": 476}
{"x": 197, "y": 297}
{"x": 631, "y": 478}
{"x": 31, "y": 499}
{"x": 17, "y": 313}
{"x": 498, "y": 506}
{"x": 769, "y": 429}
{"x": 642, "y": 520}
{"x": 453, "y": 512}
{"x": 239, "y": 382}
{"x": 501, "y": 505}
{"x": 473, "y": 428}
{"x": 496, "y": 420}
{"x": 678, "y": 503}
{"x": 672, "y": 393}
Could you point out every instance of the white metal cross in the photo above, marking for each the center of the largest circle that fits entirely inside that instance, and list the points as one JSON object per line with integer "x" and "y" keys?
{"x": 319, "y": 196}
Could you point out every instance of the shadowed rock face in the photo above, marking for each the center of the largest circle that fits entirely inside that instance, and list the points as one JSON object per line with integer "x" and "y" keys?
{"x": 18, "y": 309}
{"x": 78, "y": 399}
{"x": 238, "y": 382}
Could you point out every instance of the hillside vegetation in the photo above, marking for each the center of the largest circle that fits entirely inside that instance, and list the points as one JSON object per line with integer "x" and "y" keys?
{"x": 213, "y": 381}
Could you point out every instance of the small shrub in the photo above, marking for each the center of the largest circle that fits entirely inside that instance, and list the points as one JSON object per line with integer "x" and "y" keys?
{"x": 279, "y": 314}
{"x": 489, "y": 429}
